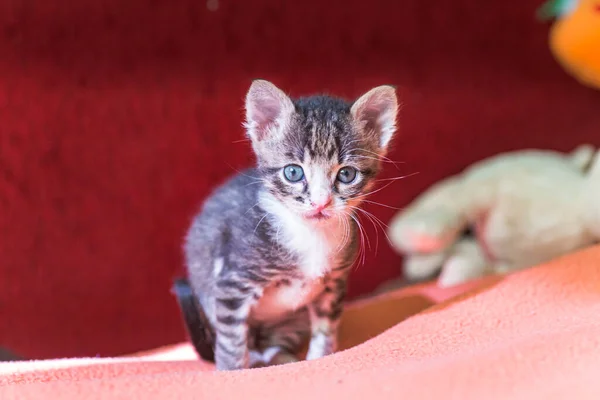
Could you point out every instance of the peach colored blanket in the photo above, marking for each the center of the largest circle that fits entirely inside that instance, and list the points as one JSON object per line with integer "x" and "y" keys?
{"x": 532, "y": 335}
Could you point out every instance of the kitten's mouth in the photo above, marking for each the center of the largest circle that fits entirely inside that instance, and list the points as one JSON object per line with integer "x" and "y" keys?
{"x": 318, "y": 216}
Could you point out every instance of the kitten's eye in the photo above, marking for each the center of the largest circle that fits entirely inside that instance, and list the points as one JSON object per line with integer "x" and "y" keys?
{"x": 346, "y": 174}
{"x": 293, "y": 173}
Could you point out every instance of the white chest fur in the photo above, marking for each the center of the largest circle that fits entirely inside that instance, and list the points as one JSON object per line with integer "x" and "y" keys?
{"x": 284, "y": 297}
{"x": 317, "y": 246}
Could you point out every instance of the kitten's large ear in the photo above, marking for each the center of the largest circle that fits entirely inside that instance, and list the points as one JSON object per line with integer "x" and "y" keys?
{"x": 376, "y": 113}
{"x": 267, "y": 109}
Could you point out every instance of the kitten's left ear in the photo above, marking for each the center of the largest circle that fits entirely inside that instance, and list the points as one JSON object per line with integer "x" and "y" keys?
{"x": 267, "y": 109}
{"x": 376, "y": 112}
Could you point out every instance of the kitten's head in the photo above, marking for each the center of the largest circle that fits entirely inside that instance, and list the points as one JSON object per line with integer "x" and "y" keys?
{"x": 319, "y": 155}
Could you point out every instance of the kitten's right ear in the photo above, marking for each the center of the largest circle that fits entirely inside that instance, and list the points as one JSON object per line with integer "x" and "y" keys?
{"x": 376, "y": 112}
{"x": 267, "y": 109}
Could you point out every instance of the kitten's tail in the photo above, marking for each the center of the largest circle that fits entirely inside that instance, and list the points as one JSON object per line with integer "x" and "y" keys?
{"x": 196, "y": 322}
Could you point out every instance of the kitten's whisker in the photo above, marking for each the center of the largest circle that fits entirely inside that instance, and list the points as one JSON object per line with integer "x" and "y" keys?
{"x": 381, "y": 188}
{"x": 363, "y": 232}
{"x": 254, "y": 183}
{"x": 241, "y": 140}
{"x": 381, "y": 204}
{"x": 361, "y": 245}
{"x": 381, "y": 224}
{"x": 348, "y": 144}
{"x": 251, "y": 207}
{"x": 360, "y": 237}
{"x": 374, "y": 226}
{"x": 384, "y": 158}
{"x": 345, "y": 235}
{"x": 377, "y": 159}
{"x": 376, "y": 234}
{"x": 348, "y": 230}
{"x": 396, "y": 178}
{"x": 362, "y": 240}
{"x": 378, "y": 219}
{"x": 256, "y": 227}
{"x": 378, "y": 155}
{"x": 241, "y": 173}
{"x": 373, "y": 191}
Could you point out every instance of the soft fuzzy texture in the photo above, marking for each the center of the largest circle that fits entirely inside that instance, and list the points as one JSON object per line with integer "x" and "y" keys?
{"x": 510, "y": 203}
{"x": 533, "y": 335}
{"x": 117, "y": 118}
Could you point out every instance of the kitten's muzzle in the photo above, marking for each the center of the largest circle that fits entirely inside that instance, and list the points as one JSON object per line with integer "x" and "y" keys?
{"x": 318, "y": 215}
{"x": 319, "y": 208}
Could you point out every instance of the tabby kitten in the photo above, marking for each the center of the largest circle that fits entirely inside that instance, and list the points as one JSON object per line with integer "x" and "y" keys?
{"x": 269, "y": 254}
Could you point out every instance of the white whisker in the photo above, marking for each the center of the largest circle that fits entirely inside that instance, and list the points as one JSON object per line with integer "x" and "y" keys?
{"x": 251, "y": 207}
{"x": 378, "y": 157}
{"x": 362, "y": 254}
{"x": 346, "y": 234}
{"x": 241, "y": 173}
{"x": 381, "y": 188}
{"x": 396, "y": 178}
{"x": 381, "y": 156}
{"x": 381, "y": 204}
{"x": 253, "y": 183}
{"x": 381, "y": 224}
{"x": 256, "y": 227}
{"x": 241, "y": 140}
{"x": 374, "y": 226}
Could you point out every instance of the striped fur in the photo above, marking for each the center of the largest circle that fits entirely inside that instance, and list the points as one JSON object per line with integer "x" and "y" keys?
{"x": 268, "y": 270}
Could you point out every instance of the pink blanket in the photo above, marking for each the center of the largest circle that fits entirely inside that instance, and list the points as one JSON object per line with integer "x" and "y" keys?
{"x": 532, "y": 335}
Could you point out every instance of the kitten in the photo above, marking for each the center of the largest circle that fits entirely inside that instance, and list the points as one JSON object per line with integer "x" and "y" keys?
{"x": 269, "y": 254}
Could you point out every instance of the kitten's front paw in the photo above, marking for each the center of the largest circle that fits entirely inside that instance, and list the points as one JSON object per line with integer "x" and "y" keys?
{"x": 268, "y": 358}
{"x": 283, "y": 358}
{"x": 258, "y": 364}
{"x": 320, "y": 346}
{"x": 231, "y": 364}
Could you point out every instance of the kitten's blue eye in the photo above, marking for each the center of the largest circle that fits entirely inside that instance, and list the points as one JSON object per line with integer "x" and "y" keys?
{"x": 293, "y": 173}
{"x": 346, "y": 174}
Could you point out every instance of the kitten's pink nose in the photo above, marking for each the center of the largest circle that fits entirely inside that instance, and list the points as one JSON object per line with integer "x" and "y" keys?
{"x": 321, "y": 203}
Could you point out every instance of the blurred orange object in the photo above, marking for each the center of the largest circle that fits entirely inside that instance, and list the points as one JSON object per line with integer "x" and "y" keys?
{"x": 575, "y": 37}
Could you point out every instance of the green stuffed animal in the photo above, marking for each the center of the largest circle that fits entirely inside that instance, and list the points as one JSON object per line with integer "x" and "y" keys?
{"x": 524, "y": 208}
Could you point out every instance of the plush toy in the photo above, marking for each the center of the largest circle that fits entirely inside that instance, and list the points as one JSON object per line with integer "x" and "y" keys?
{"x": 501, "y": 214}
{"x": 575, "y": 37}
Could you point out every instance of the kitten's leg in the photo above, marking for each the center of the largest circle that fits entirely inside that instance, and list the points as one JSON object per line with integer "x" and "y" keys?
{"x": 271, "y": 356}
{"x": 280, "y": 343}
{"x": 231, "y": 328}
{"x": 325, "y": 313}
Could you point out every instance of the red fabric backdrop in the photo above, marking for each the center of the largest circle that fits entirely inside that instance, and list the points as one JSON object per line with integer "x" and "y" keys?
{"x": 118, "y": 117}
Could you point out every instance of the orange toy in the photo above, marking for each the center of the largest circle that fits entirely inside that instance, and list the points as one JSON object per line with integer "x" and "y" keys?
{"x": 575, "y": 37}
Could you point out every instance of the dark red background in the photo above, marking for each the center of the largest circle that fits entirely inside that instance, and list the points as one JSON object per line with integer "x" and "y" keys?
{"x": 118, "y": 117}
